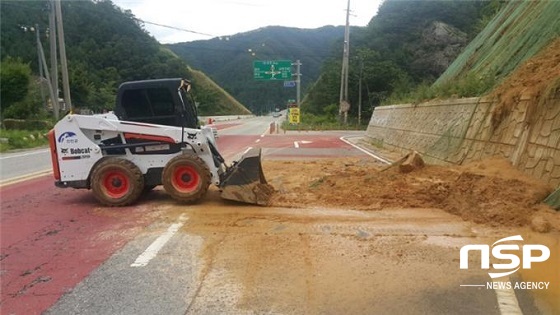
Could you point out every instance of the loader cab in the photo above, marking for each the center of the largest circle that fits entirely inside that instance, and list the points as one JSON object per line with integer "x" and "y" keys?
{"x": 163, "y": 102}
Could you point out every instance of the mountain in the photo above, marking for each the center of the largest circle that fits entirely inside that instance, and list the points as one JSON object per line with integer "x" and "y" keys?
{"x": 105, "y": 46}
{"x": 229, "y": 60}
{"x": 408, "y": 43}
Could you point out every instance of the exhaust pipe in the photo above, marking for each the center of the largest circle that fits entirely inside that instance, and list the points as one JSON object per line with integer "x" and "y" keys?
{"x": 244, "y": 181}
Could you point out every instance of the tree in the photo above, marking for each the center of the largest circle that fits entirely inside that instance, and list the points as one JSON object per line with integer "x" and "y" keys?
{"x": 15, "y": 77}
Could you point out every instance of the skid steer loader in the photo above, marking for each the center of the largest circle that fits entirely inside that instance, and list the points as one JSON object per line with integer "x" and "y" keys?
{"x": 152, "y": 138}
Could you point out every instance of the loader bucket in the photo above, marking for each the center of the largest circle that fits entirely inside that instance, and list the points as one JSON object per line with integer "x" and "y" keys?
{"x": 244, "y": 181}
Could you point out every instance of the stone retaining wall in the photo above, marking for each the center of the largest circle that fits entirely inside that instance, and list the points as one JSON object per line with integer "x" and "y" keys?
{"x": 462, "y": 130}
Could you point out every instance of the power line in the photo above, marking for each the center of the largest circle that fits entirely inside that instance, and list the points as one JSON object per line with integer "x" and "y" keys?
{"x": 174, "y": 28}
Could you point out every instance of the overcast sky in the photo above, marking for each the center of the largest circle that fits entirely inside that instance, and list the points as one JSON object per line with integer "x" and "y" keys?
{"x": 228, "y": 17}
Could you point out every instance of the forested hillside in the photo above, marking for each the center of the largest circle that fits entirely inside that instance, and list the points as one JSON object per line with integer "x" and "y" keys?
{"x": 407, "y": 44}
{"x": 105, "y": 47}
{"x": 229, "y": 60}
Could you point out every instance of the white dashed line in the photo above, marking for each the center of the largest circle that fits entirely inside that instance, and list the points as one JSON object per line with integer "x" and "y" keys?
{"x": 12, "y": 156}
{"x": 158, "y": 244}
{"x": 507, "y": 301}
{"x": 248, "y": 149}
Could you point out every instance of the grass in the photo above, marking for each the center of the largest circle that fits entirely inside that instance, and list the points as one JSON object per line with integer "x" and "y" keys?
{"x": 469, "y": 86}
{"x": 22, "y": 139}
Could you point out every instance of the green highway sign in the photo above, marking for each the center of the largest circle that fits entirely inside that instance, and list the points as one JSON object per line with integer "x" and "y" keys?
{"x": 272, "y": 70}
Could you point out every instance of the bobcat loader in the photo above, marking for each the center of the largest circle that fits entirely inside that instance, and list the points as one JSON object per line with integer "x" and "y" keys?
{"x": 152, "y": 138}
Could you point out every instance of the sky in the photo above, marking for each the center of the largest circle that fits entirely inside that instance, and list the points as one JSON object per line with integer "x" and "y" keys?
{"x": 220, "y": 18}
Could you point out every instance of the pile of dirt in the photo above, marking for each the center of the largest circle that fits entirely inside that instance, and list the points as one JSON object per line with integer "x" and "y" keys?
{"x": 489, "y": 192}
{"x": 537, "y": 78}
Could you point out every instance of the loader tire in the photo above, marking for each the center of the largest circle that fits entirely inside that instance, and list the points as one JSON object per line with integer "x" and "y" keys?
{"x": 117, "y": 182}
{"x": 186, "y": 178}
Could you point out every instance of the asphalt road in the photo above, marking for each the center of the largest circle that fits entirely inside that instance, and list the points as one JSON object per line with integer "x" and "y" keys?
{"x": 17, "y": 164}
{"x": 62, "y": 253}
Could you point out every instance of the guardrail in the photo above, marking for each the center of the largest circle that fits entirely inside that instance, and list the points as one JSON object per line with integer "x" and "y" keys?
{"x": 206, "y": 119}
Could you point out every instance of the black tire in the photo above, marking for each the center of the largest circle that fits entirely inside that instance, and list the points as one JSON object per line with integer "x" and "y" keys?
{"x": 117, "y": 182}
{"x": 186, "y": 178}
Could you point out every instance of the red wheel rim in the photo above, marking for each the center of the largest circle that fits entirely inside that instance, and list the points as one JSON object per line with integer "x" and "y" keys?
{"x": 185, "y": 178}
{"x": 116, "y": 184}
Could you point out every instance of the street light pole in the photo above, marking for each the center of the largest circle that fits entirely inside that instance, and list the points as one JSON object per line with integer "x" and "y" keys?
{"x": 54, "y": 59}
{"x": 298, "y": 82}
{"x": 344, "y": 104}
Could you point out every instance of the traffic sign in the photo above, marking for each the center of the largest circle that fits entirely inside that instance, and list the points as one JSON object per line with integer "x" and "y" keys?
{"x": 294, "y": 115}
{"x": 272, "y": 70}
{"x": 289, "y": 84}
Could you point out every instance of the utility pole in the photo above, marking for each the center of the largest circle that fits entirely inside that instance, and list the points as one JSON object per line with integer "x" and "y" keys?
{"x": 40, "y": 63}
{"x": 63, "y": 61}
{"x": 54, "y": 59}
{"x": 360, "y": 92}
{"x": 344, "y": 104}
{"x": 298, "y": 81}
{"x": 51, "y": 90}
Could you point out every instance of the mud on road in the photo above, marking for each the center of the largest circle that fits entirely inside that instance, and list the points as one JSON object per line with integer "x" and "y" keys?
{"x": 490, "y": 192}
{"x": 342, "y": 236}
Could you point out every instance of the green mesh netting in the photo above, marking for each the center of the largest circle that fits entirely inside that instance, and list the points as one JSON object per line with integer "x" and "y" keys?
{"x": 517, "y": 32}
{"x": 554, "y": 199}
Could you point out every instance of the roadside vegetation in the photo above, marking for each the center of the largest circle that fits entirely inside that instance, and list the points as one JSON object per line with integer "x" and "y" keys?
{"x": 469, "y": 86}
{"x": 327, "y": 120}
{"x": 22, "y": 139}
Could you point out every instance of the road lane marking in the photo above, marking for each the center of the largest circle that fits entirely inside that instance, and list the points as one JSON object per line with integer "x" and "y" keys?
{"x": 297, "y": 143}
{"x": 22, "y": 178}
{"x": 258, "y": 140}
{"x": 506, "y": 298}
{"x": 507, "y": 301}
{"x": 24, "y": 154}
{"x": 158, "y": 244}
{"x": 366, "y": 151}
{"x": 245, "y": 152}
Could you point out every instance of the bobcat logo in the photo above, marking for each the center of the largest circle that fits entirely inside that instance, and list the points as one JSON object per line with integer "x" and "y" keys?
{"x": 66, "y": 137}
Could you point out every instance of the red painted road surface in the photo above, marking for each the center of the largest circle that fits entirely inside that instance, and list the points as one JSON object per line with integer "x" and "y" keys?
{"x": 52, "y": 238}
